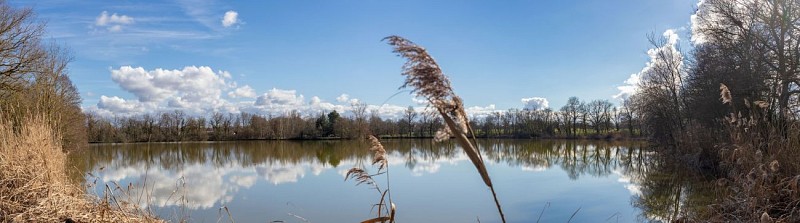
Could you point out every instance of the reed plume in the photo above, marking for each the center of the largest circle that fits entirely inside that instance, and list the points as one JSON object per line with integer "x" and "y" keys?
{"x": 725, "y": 94}
{"x": 361, "y": 176}
{"x": 426, "y": 79}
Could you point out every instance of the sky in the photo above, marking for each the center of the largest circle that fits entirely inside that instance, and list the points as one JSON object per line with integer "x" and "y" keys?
{"x": 270, "y": 57}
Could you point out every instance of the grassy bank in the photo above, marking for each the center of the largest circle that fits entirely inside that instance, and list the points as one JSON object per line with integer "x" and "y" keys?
{"x": 34, "y": 186}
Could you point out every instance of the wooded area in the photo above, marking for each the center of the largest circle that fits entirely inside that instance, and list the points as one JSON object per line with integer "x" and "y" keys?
{"x": 729, "y": 108}
{"x": 578, "y": 119}
{"x": 34, "y": 77}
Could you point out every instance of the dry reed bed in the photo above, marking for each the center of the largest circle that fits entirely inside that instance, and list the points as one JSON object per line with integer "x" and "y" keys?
{"x": 761, "y": 163}
{"x": 34, "y": 185}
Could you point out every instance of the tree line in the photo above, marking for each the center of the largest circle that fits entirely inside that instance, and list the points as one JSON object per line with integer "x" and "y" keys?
{"x": 577, "y": 119}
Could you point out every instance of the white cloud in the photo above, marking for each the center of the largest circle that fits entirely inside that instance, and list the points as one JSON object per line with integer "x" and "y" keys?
{"x": 280, "y": 97}
{"x": 669, "y": 49}
{"x": 115, "y": 28}
{"x": 420, "y": 101}
{"x": 535, "y": 103}
{"x": 480, "y": 112}
{"x": 315, "y": 100}
{"x": 118, "y": 105}
{"x": 202, "y": 91}
{"x": 630, "y": 87}
{"x": 242, "y": 92}
{"x": 113, "y": 21}
{"x": 672, "y": 37}
{"x": 195, "y": 89}
{"x": 191, "y": 84}
{"x": 104, "y": 19}
{"x": 230, "y": 18}
{"x": 343, "y": 98}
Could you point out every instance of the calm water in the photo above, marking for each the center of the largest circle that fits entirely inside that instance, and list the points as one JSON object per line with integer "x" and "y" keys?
{"x": 299, "y": 181}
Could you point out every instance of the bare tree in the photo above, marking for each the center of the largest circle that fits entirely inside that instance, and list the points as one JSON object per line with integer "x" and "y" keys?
{"x": 360, "y": 116}
{"x": 20, "y": 47}
{"x": 34, "y": 77}
{"x": 410, "y": 116}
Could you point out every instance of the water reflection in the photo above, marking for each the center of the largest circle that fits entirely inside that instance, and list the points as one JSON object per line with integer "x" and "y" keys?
{"x": 216, "y": 173}
{"x": 669, "y": 193}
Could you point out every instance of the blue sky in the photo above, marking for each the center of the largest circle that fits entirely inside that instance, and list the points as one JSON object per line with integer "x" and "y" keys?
{"x": 305, "y": 55}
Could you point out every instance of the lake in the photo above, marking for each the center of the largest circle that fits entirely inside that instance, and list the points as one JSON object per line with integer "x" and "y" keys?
{"x": 303, "y": 181}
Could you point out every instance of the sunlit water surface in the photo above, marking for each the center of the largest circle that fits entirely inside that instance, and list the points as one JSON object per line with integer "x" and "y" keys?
{"x": 303, "y": 181}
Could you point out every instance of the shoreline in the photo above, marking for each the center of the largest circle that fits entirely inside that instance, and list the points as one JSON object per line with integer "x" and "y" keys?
{"x": 584, "y": 138}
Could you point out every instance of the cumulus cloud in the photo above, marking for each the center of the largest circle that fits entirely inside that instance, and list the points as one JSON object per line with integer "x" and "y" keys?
{"x": 193, "y": 85}
{"x": 420, "y": 101}
{"x": 230, "y": 18}
{"x": 535, "y": 103}
{"x": 195, "y": 89}
{"x": 243, "y": 92}
{"x": 315, "y": 100}
{"x": 631, "y": 85}
{"x": 202, "y": 91}
{"x": 671, "y": 36}
{"x": 481, "y": 111}
{"x": 343, "y": 98}
{"x": 279, "y": 97}
{"x": 119, "y": 105}
{"x": 114, "y": 22}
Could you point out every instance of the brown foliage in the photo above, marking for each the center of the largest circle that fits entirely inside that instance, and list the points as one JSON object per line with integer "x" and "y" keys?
{"x": 761, "y": 169}
{"x": 34, "y": 185}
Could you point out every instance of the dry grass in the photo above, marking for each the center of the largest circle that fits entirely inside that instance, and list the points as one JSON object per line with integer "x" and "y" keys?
{"x": 762, "y": 166}
{"x": 34, "y": 185}
{"x": 427, "y": 80}
{"x": 386, "y": 208}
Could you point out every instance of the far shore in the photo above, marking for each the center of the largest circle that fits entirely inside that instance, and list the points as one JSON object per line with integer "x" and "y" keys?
{"x": 589, "y": 138}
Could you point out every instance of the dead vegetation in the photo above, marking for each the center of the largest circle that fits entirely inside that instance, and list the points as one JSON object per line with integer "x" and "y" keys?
{"x": 762, "y": 182}
{"x": 427, "y": 80}
{"x": 386, "y": 208}
{"x": 34, "y": 186}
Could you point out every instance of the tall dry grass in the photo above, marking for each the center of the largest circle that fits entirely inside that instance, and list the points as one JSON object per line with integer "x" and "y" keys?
{"x": 762, "y": 167}
{"x": 33, "y": 182}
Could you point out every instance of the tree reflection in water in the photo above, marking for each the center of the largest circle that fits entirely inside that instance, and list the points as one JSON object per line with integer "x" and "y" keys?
{"x": 216, "y": 171}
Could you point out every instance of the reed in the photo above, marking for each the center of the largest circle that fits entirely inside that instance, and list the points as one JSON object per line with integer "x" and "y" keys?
{"x": 760, "y": 164}
{"x": 426, "y": 79}
{"x": 386, "y": 208}
{"x": 34, "y": 186}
